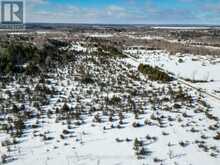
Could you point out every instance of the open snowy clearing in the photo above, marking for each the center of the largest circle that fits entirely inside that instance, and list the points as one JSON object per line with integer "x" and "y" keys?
{"x": 195, "y": 68}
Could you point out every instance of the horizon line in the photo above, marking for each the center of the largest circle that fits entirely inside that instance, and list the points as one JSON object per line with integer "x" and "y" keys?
{"x": 142, "y": 24}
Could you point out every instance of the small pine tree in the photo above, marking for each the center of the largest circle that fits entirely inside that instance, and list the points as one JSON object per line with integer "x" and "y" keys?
{"x": 136, "y": 144}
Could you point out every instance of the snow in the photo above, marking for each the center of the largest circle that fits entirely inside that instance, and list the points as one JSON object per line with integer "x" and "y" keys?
{"x": 99, "y": 35}
{"x": 147, "y": 37}
{"x": 91, "y": 144}
{"x": 181, "y": 27}
{"x": 78, "y": 47}
{"x": 200, "y": 68}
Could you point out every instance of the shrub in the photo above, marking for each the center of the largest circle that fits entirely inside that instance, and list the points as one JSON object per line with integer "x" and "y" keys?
{"x": 87, "y": 79}
{"x": 115, "y": 100}
{"x": 65, "y": 132}
{"x": 136, "y": 124}
{"x": 217, "y": 137}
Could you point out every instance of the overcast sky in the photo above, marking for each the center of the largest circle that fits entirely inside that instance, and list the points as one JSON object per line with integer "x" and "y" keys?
{"x": 124, "y": 11}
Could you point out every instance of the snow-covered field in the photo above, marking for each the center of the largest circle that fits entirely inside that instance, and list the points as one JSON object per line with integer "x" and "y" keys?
{"x": 124, "y": 118}
{"x": 99, "y": 35}
{"x": 198, "y": 68}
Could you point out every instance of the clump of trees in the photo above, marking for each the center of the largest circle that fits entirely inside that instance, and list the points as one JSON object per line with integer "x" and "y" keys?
{"x": 107, "y": 48}
{"x": 114, "y": 100}
{"x": 14, "y": 55}
{"x": 111, "y": 51}
{"x": 87, "y": 79}
{"x": 154, "y": 73}
{"x": 140, "y": 150}
{"x": 24, "y": 57}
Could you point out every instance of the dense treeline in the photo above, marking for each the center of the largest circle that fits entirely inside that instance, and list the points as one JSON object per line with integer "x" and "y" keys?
{"x": 154, "y": 73}
{"x": 107, "y": 47}
{"x": 23, "y": 57}
{"x": 13, "y": 55}
{"x": 111, "y": 51}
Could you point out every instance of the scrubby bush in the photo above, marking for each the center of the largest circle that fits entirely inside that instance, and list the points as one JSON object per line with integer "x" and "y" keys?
{"x": 217, "y": 137}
